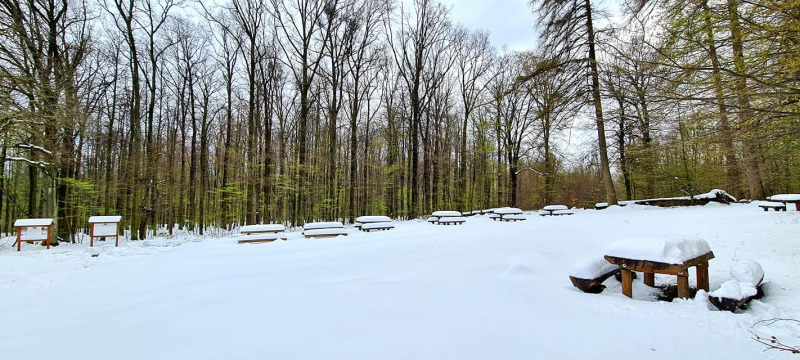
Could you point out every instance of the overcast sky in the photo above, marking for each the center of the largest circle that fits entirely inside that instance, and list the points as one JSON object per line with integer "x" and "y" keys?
{"x": 509, "y": 22}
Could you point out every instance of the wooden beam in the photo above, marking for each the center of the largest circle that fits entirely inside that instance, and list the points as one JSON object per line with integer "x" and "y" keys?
{"x": 627, "y": 283}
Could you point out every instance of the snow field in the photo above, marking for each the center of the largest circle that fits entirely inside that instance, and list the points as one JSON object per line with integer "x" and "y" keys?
{"x": 480, "y": 290}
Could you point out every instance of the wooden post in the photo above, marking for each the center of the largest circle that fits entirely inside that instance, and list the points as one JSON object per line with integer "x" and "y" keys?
{"x": 650, "y": 279}
{"x": 48, "y": 236}
{"x": 117, "y": 243}
{"x": 683, "y": 285}
{"x": 91, "y": 235}
{"x": 702, "y": 276}
{"x": 19, "y": 239}
{"x": 627, "y": 283}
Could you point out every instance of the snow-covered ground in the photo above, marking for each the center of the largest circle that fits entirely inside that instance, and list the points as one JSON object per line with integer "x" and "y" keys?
{"x": 482, "y": 290}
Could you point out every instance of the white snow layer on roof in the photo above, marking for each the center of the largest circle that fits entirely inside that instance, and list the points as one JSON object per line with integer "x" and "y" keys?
{"x": 670, "y": 249}
{"x": 105, "y": 219}
{"x": 33, "y": 222}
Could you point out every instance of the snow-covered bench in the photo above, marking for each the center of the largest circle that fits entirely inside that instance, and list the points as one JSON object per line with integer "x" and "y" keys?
{"x": 744, "y": 285}
{"x": 786, "y": 199}
{"x": 588, "y": 275}
{"x": 601, "y": 205}
{"x": 324, "y": 229}
{"x": 664, "y": 255}
{"x": 507, "y": 214}
{"x": 774, "y": 205}
{"x": 554, "y": 210}
{"x": 369, "y": 223}
{"x": 261, "y": 233}
{"x": 447, "y": 218}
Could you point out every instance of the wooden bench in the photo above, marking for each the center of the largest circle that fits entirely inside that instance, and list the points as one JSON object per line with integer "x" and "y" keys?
{"x": 601, "y": 206}
{"x": 744, "y": 285}
{"x": 369, "y": 223}
{"x": 777, "y": 206}
{"x": 261, "y": 233}
{"x": 588, "y": 276}
{"x": 507, "y": 214}
{"x": 671, "y": 256}
{"x": 555, "y": 210}
{"x": 447, "y": 218}
{"x": 786, "y": 199}
{"x": 324, "y": 229}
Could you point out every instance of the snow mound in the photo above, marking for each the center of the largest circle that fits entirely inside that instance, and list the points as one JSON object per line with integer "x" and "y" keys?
{"x": 748, "y": 271}
{"x": 733, "y": 289}
{"x": 670, "y": 249}
{"x": 518, "y": 271}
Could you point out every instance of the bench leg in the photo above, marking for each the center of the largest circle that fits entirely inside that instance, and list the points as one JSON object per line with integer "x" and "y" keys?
{"x": 683, "y": 285}
{"x": 627, "y": 283}
{"x": 650, "y": 279}
{"x": 702, "y": 276}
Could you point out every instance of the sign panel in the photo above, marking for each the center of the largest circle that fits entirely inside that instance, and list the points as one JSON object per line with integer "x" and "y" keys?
{"x": 33, "y": 233}
{"x": 105, "y": 229}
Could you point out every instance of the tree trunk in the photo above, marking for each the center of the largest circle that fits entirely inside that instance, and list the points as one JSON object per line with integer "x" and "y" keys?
{"x": 605, "y": 168}
{"x": 746, "y": 119}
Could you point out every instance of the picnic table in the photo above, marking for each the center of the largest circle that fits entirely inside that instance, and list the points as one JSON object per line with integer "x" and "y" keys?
{"x": 324, "y": 229}
{"x": 555, "y": 210}
{"x": 369, "y": 223}
{"x": 664, "y": 255}
{"x": 447, "y": 218}
{"x": 507, "y": 214}
{"x": 786, "y": 199}
{"x": 261, "y": 233}
{"x": 774, "y": 205}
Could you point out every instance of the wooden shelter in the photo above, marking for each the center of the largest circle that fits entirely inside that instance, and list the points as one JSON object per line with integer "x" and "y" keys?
{"x": 104, "y": 227}
{"x": 33, "y": 230}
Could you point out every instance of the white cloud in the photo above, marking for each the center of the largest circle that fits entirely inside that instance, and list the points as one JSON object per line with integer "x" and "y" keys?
{"x": 510, "y": 22}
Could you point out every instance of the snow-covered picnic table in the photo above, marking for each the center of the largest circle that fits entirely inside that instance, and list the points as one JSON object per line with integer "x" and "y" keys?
{"x": 555, "y": 210}
{"x": 507, "y": 214}
{"x": 786, "y": 199}
{"x": 324, "y": 229}
{"x": 261, "y": 233}
{"x": 774, "y": 205}
{"x": 373, "y": 222}
{"x": 447, "y": 218}
{"x": 672, "y": 255}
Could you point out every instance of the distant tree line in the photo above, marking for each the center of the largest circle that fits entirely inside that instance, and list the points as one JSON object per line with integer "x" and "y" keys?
{"x": 192, "y": 116}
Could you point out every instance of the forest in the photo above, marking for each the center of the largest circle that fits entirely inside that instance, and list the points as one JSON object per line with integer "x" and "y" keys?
{"x": 208, "y": 115}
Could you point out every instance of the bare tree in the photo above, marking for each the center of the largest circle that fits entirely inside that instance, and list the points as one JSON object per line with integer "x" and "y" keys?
{"x": 569, "y": 35}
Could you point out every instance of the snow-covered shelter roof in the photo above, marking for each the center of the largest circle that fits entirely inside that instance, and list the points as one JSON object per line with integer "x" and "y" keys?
{"x": 105, "y": 219}
{"x": 33, "y": 222}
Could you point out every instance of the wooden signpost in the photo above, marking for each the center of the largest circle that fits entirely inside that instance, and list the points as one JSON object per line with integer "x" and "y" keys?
{"x": 104, "y": 227}
{"x": 33, "y": 230}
